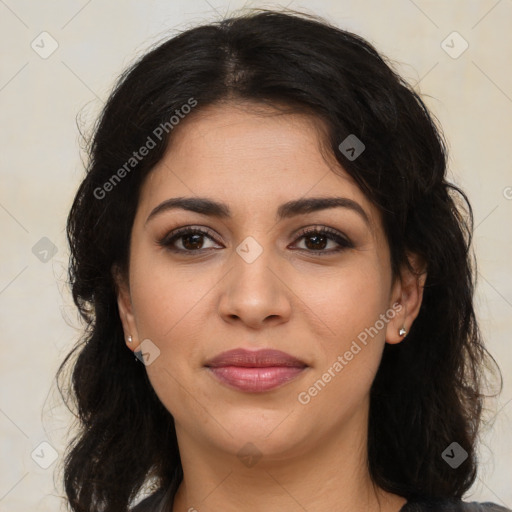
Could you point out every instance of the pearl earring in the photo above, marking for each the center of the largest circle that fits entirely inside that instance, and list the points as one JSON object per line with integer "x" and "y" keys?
{"x": 402, "y": 331}
{"x": 129, "y": 339}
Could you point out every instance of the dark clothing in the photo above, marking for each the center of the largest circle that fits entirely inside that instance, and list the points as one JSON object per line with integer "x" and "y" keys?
{"x": 451, "y": 506}
{"x": 161, "y": 502}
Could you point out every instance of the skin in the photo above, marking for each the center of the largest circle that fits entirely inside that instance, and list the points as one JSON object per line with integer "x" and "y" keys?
{"x": 194, "y": 306}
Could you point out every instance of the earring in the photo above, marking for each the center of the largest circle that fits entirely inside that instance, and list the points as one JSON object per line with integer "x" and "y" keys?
{"x": 129, "y": 339}
{"x": 402, "y": 331}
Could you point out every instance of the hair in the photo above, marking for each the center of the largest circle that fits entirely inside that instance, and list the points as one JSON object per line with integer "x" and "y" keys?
{"x": 428, "y": 390}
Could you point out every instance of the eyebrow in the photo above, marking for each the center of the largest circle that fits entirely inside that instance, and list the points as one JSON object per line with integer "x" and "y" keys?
{"x": 206, "y": 206}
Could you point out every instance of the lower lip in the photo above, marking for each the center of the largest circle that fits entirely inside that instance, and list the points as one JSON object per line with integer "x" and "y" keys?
{"x": 255, "y": 380}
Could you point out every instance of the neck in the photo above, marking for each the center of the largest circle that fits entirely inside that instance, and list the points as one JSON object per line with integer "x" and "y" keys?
{"x": 330, "y": 476}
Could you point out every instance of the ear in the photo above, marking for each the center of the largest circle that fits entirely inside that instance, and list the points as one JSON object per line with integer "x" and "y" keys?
{"x": 406, "y": 298}
{"x": 125, "y": 306}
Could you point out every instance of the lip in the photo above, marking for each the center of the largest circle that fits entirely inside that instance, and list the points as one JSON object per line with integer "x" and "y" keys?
{"x": 255, "y": 371}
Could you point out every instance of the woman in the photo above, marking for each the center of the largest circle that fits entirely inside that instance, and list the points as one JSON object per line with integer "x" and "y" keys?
{"x": 266, "y": 224}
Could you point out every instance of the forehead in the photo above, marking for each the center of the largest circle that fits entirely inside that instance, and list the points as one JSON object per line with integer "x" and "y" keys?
{"x": 252, "y": 156}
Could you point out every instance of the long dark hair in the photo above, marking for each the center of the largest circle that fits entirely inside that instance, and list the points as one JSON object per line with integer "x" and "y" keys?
{"x": 428, "y": 390}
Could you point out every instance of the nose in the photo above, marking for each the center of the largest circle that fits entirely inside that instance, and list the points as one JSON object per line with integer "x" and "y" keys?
{"x": 255, "y": 293}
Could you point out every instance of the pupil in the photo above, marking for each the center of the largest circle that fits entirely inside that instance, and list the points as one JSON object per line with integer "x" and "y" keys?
{"x": 316, "y": 245}
{"x": 196, "y": 244}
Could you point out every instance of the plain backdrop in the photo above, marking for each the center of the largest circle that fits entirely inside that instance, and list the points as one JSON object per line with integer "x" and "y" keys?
{"x": 59, "y": 60}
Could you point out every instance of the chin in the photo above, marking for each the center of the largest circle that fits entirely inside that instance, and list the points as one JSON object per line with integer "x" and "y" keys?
{"x": 272, "y": 433}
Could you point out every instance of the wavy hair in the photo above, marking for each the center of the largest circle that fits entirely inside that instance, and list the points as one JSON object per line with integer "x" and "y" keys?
{"x": 428, "y": 390}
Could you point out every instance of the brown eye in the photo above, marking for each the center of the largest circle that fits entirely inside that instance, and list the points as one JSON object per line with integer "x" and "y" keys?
{"x": 317, "y": 239}
{"x": 191, "y": 240}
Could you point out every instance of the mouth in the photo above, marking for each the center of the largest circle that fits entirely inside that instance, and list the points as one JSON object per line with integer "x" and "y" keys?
{"x": 255, "y": 371}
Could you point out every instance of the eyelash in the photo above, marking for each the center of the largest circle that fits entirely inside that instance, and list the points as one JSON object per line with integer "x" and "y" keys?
{"x": 168, "y": 240}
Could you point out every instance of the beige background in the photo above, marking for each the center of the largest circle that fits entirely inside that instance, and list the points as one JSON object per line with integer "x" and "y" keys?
{"x": 41, "y": 168}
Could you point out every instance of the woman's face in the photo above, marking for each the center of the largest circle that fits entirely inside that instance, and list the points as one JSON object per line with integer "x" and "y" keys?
{"x": 255, "y": 281}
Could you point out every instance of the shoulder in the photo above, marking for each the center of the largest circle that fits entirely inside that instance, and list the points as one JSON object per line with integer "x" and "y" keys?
{"x": 156, "y": 502}
{"x": 451, "y": 506}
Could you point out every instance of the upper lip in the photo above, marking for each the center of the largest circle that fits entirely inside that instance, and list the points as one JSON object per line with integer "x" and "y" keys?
{"x": 254, "y": 359}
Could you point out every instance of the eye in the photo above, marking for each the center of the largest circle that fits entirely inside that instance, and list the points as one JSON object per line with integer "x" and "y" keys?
{"x": 190, "y": 238}
{"x": 316, "y": 238}
{"x": 319, "y": 237}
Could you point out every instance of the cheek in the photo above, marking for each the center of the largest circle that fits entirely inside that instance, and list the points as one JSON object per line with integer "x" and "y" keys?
{"x": 169, "y": 308}
{"x": 351, "y": 306}
{"x": 163, "y": 297}
{"x": 166, "y": 306}
{"x": 349, "y": 303}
